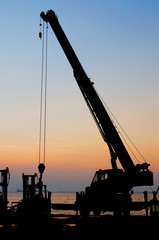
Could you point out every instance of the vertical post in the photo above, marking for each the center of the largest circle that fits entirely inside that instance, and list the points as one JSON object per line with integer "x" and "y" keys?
{"x": 49, "y": 197}
{"x": 146, "y": 202}
{"x": 49, "y": 200}
{"x": 4, "y": 185}
{"x": 76, "y": 203}
{"x": 5, "y": 189}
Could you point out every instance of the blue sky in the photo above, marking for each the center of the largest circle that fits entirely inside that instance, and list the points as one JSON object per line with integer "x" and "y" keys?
{"x": 117, "y": 44}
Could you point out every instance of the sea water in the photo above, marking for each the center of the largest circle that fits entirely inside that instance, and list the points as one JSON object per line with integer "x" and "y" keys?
{"x": 70, "y": 198}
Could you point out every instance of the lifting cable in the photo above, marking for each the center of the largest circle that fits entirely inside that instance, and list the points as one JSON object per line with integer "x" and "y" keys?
{"x": 137, "y": 150}
{"x": 43, "y": 93}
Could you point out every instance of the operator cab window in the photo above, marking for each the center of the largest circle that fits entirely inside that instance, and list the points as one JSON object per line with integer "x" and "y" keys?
{"x": 99, "y": 177}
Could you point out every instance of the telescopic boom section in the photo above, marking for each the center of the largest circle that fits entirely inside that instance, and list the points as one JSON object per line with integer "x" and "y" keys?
{"x": 100, "y": 115}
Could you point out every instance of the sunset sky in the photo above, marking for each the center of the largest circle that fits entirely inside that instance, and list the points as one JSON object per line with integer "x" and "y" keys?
{"x": 117, "y": 42}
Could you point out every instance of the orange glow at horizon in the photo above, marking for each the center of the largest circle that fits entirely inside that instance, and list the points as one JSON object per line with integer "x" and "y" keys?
{"x": 83, "y": 155}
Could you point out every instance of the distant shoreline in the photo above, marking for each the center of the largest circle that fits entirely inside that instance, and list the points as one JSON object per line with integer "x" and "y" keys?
{"x": 21, "y": 191}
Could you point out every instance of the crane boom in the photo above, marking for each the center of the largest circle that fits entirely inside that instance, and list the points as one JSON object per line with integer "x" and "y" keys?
{"x": 109, "y": 190}
{"x": 99, "y": 113}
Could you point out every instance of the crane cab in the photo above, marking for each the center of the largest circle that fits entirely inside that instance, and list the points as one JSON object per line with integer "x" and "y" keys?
{"x": 108, "y": 180}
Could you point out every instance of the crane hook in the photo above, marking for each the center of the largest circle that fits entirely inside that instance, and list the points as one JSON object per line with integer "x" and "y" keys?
{"x": 40, "y": 35}
{"x": 41, "y": 168}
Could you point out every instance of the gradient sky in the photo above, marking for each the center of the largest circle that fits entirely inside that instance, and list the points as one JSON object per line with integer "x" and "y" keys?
{"x": 117, "y": 42}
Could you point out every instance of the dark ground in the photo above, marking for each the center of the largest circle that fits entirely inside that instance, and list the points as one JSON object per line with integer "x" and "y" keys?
{"x": 74, "y": 226}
